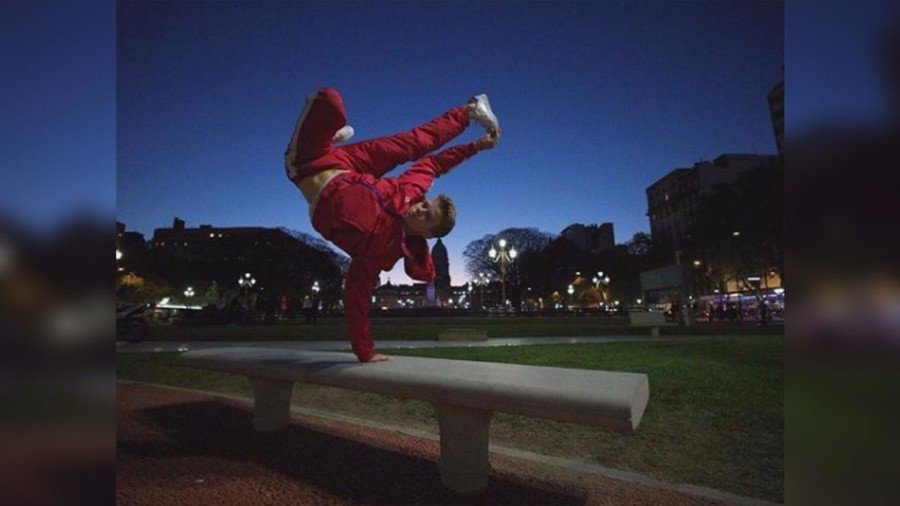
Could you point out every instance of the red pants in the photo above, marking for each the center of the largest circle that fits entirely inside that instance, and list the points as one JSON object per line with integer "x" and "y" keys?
{"x": 310, "y": 151}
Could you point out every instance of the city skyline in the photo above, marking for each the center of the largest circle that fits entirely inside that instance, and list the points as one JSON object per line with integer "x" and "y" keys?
{"x": 614, "y": 95}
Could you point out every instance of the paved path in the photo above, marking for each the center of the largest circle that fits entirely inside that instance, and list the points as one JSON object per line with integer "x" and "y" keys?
{"x": 177, "y": 447}
{"x": 169, "y": 346}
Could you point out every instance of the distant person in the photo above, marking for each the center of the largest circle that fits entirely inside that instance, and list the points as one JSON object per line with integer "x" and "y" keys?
{"x": 309, "y": 309}
{"x": 763, "y": 313}
{"x": 677, "y": 313}
{"x": 374, "y": 219}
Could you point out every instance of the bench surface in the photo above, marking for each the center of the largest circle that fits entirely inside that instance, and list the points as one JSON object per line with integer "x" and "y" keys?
{"x": 615, "y": 400}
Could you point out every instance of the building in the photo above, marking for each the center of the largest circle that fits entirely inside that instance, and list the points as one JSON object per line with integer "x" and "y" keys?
{"x": 442, "y": 273}
{"x": 674, "y": 199}
{"x": 674, "y": 204}
{"x": 391, "y": 296}
{"x": 776, "y": 111}
{"x": 468, "y": 296}
{"x": 280, "y": 263}
{"x": 591, "y": 239}
{"x": 132, "y": 250}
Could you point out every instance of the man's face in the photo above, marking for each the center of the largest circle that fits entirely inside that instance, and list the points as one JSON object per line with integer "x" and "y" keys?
{"x": 422, "y": 217}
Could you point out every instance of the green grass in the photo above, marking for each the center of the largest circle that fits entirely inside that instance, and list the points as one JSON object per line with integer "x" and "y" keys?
{"x": 715, "y": 416}
{"x": 428, "y": 328}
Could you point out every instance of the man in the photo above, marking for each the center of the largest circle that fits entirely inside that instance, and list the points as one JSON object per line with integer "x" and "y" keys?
{"x": 374, "y": 219}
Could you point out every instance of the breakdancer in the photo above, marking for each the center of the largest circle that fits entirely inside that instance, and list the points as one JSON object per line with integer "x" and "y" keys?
{"x": 378, "y": 220}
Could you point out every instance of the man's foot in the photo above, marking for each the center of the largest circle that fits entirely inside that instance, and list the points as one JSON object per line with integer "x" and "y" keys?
{"x": 343, "y": 134}
{"x": 480, "y": 111}
{"x": 378, "y": 357}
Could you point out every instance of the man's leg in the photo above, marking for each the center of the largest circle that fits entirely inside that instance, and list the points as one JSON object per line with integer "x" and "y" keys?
{"x": 380, "y": 156}
{"x": 322, "y": 116}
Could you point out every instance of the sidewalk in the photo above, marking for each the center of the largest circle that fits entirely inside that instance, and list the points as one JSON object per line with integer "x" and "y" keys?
{"x": 180, "y": 447}
{"x": 343, "y": 345}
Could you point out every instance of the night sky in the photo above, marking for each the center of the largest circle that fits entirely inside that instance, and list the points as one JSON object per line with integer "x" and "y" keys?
{"x": 596, "y": 101}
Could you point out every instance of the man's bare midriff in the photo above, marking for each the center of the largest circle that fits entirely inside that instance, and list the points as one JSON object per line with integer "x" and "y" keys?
{"x": 311, "y": 186}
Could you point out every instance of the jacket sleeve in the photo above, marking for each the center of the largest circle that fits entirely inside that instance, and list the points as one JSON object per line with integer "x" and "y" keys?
{"x": 362, "y": 278}
{"x": 416, "y": 181}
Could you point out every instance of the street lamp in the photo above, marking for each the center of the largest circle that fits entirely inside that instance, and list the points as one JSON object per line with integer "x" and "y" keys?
{"x": 189, "y": 292}
{"x": 118, "y": 254}
{"x": 315, "y": 287}
{"x": 570, "y": 291}
{"x": 481, "y": 280}
{"x": 600, "y": 279}
{"x": 503, "y": 256}
{"x": 246, "y": 282}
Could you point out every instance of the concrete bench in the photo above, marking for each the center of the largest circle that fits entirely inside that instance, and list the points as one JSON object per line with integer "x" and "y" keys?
{"x": 652, "y": 319}
{"x": 464, "y": 395}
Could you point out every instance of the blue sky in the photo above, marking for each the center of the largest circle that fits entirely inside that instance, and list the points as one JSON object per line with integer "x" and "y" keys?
{"x": 596, "y": 101}
{"x": 58, "y": 110}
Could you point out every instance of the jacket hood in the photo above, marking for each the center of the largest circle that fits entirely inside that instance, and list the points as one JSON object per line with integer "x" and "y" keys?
{"x": 417, "y": 260}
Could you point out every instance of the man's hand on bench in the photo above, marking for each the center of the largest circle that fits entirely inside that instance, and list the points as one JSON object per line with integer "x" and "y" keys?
{"x": 378, "y": 357}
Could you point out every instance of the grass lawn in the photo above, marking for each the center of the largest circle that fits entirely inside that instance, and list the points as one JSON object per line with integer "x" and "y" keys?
{"x": 428, "y": 328}
{"x": 715, "y": 416}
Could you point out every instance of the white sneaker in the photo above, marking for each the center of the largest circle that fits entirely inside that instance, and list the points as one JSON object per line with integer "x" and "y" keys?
{"x": 482, "y": 113}
{"x": 343, "y": 134}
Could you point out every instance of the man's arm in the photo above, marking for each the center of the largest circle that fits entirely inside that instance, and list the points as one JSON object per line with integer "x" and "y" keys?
{"x": 362, "y": 278}
{"x": 422, "y": 173}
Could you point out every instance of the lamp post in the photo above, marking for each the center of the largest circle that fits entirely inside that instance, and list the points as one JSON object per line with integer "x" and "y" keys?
{"x": 189, "y": 292}
{"x": 246, "y": 282}
{"x": 503, "y": 256}
{"x": 599, "y": 280}
{"x": 481, "y": 280}
{"x": 570, "y": 291}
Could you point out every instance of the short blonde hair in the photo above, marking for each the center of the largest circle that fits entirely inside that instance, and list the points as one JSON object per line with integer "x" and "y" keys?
{"x": 448, "y": 211}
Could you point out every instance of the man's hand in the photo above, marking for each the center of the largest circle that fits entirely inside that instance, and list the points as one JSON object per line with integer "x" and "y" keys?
{"x": 489, "y": 140}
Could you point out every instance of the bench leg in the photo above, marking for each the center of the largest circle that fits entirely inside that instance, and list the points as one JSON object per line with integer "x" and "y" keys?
{"x": 464, "y": 462}
{"x": 271, "y": 404}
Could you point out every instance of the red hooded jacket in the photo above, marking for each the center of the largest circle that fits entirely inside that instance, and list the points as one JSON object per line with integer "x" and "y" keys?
{"x": 363, "y": 215}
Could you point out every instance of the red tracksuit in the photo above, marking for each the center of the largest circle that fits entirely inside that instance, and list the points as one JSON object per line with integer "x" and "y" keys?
{"x": 362, "y": 212}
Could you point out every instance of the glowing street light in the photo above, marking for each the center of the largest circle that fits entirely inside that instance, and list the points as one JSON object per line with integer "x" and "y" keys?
{"x": 503, "y": 256}
{"x": 246, "y": 281}
{"x": 119, "y": 254}
{"x": 600, "y": 279}
{"x": 189, "y": 292}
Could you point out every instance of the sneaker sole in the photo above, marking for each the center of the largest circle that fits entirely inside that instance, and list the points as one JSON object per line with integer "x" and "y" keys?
{"x": 292, "y": 147}
{"x": 488, "y": 112}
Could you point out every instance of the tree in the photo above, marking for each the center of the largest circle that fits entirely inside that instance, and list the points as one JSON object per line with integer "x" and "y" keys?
{"x": 640, "y": 244}
{"x": 524, "y": 272}
{"x": 525, "y": 240}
